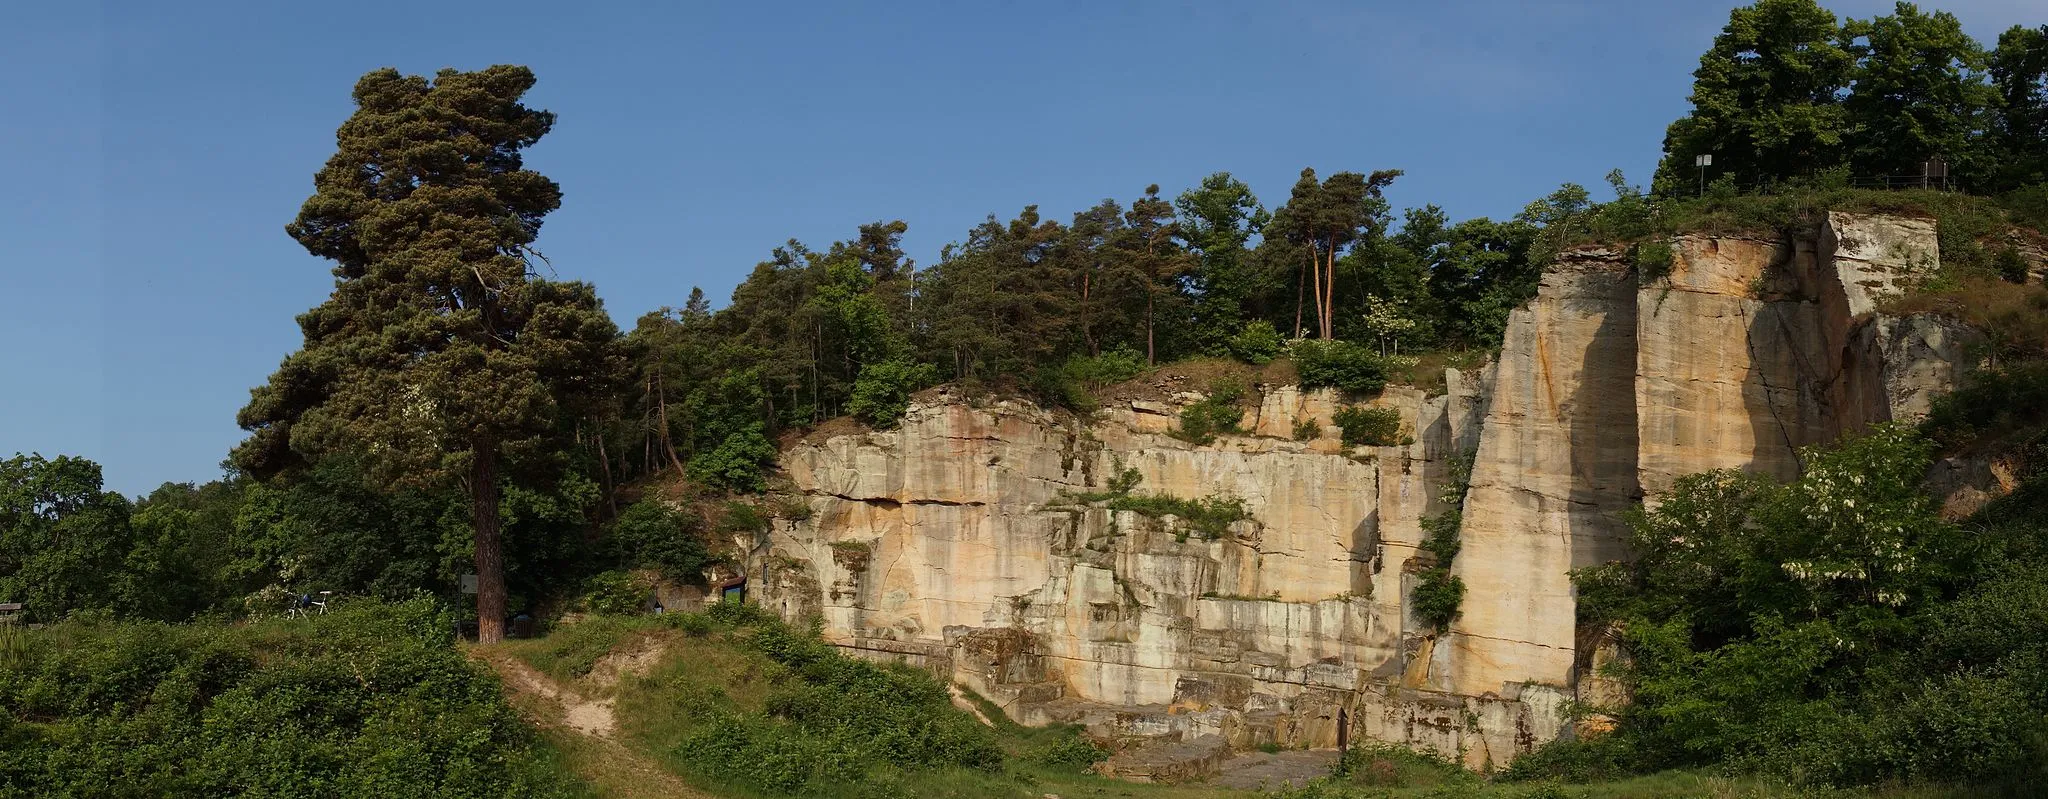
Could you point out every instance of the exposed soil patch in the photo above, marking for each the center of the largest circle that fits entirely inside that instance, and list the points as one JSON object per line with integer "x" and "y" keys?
{"x": 587, "y": 716}
{"x": 593, "y": 750}
{"x": 636, "y": 657}
{"x": 1196, "y": 375}
{"x": 961, "y": 701}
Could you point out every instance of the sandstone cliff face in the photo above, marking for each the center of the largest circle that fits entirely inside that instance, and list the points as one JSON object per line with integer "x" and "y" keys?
{"x": 956, "y": 541}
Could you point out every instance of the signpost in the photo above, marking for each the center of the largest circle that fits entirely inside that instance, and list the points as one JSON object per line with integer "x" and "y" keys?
{"x": 1703, "y": 160}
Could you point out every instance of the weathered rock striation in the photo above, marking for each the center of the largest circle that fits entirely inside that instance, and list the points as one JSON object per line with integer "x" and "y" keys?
{"x": 961, "y": 541}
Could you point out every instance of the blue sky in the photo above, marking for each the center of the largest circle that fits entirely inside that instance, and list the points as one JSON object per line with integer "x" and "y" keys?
{"x": 153, "y": 152}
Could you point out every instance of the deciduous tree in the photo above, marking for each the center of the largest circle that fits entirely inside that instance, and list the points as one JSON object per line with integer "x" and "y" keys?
{"x": 1766, "y": 98}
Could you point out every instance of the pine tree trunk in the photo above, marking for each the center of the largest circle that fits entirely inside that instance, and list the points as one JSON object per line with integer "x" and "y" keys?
{"x": 1299, "y": 282}
{"x": 1087, "y": 333}
{"x": 611, "y": 494}
{"x": 661, "y": 402}
{"x": 1330, "y": 294}
{"x": 1149, "y": 361}
{"x": 1315, "y": 278}
{"x": 490, "y": 554}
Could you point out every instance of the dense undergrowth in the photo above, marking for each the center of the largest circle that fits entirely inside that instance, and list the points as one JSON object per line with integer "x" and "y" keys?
{"x": 749, "y": 706}
{"x": 371, "y": 700}
{"x": 1835, "y": 630}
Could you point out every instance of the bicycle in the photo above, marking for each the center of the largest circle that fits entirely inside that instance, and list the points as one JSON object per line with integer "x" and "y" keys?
{"x": 304, "y": 605}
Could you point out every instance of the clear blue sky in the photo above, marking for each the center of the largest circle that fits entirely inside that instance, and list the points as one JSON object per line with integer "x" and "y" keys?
{"x": 152, "y": 152}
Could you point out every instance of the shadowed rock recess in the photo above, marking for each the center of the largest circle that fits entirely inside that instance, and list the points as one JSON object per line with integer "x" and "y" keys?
{"x": 959, "y": 542}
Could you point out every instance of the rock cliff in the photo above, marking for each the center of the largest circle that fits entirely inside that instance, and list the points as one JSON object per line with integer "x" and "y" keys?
{"x": 964, "y": 541}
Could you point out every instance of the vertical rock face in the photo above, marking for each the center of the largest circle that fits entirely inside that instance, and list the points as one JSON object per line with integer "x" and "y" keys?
{"x": 966, "y": 541}
{"x": 1555, "y": 467}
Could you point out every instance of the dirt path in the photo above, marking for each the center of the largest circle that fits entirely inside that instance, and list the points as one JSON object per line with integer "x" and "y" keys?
{"x": 961, "y": 701}
{"x": 585, "y": 730}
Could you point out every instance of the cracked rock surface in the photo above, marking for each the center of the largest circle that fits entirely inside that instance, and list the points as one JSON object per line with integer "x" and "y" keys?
{"x": 983, "y": 565}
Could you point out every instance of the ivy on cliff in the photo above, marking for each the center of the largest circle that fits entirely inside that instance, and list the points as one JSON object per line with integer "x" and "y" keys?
{"x": 1438, "y": 592}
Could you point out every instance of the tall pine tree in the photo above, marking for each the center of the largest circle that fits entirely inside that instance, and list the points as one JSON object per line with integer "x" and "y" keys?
{"x": 439, "y": 356}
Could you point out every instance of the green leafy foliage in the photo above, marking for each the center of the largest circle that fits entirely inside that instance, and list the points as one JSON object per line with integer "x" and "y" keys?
{"x": 1438, "y": 593}
{"x": 1833, "y": 628}
{"x": 1369, "y": 425}
{"x": 739, "y": 463}
{"x": 882, "y": 392}
{"x": 370, "y": 700}
{"x": 1343, "y": 365}
{"x": 1215, "y": 414}
{"x": 1436, "y": 596}
{"x": 63, "y": 540}
{"x": 1074, "y": 383}
{"x": 1072, "y": 751}
{"x": 1257, "y": 343}
{"x": 1206, "y": 517}
{"x": 615, "y": 593}
{"x": 827, "y": 724}
{"x": 1653, "y": 260}
{"x": 650, "y": 534}
{"x": 742, "y": 517}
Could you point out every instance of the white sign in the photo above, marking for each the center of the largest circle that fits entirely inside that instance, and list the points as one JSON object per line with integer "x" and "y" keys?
{"x": 1703, "y": 160}
{"x": 469, "y": 583}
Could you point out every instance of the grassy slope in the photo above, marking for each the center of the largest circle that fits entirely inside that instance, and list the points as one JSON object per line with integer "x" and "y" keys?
{"x": 652, "y": 711}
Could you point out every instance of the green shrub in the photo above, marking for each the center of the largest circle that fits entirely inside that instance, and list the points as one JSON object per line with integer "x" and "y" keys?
{"x": 2028, "y": 206}
{"x": 739, "y": 462}
{"x": 368, "y": 700}
{"x": 741, "y": 517}
{"x": 1369, "y": 425}
{"x": 1214, "y": 414}
{"x": 1073, "y": 383}
{"x": 1209, "y": 517}
{"x": 1438, "y": 593}
{"x": 1072, "y": 751}
{"x": 1653, "y": 259}
{"x": 1258, "y": 343}
{"x": 882, "y": 391}
{"x": 2010, "y": 265}
{"x": 1107, "y": 369}
{"x": 695, "y": 625}
{"x": 1834, "y": 629}
{"x": 793, "y": 508}
{"x": 1338, "y": 364}
{"x": 1602, "y": 758}
{"x": 615, "y": 593}
{"x": 1307, "y": 430}
{"x": 830, "y": 724}
{"x": 650, "y": 534}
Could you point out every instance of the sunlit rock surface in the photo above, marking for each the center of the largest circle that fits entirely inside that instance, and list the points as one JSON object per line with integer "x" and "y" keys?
{"x": 959, "y": 541}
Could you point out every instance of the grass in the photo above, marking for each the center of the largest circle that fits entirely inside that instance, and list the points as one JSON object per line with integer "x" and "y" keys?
{"x": 724, "y": 669}
{"x": 1384, "y": 771}
{"x": 727, "y": 671}
{"x": 1426, "y": 372}
{"x": 570, "y": 651}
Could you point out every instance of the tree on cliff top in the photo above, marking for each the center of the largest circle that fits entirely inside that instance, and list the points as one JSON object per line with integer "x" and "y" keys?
{"x": 438, "y": 355}
{"x": 1324, "y": 218}
{"x": 1918, "y": 92}
{"x": 2019, "y": 75}
{"x": 1766, "y": 98}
